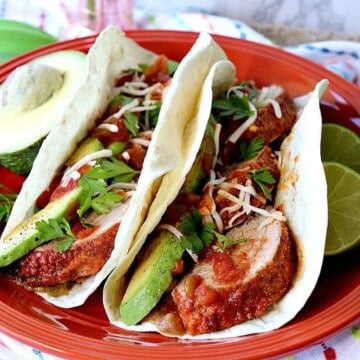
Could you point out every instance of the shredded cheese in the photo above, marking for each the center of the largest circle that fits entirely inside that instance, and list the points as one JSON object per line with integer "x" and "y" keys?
{"x": 126, "y": 156}
{"x": 128, "y": 88}
{"x": 217, "y": 144}
{"x": 235, "y": 136}
{"x": 122, "y": 185}
{"x": 140, "y": 141}
{"x": 125, "y": 108}
{"x": 84, "y": 161}
{"x": 111, "y": 127}
{"x": 171, "y": 229}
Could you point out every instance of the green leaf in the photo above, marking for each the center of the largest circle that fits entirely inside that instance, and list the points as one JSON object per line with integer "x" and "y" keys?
{"x": 6, "y": 204}
{"x": 131, "y": 122}
{"x": 262, "y": 177}
{"x": 92, "y": 185}
{"x": 54, "y": 229}
{"x": 250, "y": 150}
{"x": 64, "y": 245}
{"x": 195, "y": 234}
{"x": 143, "y": 67}
{"x": 85, "y": 201}
{"x": 104, "y": 202}
{"x": 154, "y": 114}
{"x": 236, "y": 106}
{"x": 172, "y": 66}
{"x": 224, "y": 241}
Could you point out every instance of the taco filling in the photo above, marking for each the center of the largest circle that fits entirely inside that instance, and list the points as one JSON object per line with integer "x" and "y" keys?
{"x": 231, "y": 254}
{"x": 99, "y": 180}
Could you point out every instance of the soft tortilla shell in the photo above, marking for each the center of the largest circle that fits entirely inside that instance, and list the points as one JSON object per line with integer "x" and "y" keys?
{"x": 165, "y": 151}
{"x": 220, "y": 77}
{"x": 111, "y": 53}
{"x": 302, "y": 196}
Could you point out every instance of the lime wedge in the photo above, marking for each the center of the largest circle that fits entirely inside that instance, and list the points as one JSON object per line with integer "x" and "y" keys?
{"x": 343, "y": 231}
{"x": 341, "y": 145}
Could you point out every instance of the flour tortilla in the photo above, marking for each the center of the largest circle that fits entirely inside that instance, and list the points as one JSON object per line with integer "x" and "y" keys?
{"x": 111, "y": 54}
{"x": 302, "y": 195}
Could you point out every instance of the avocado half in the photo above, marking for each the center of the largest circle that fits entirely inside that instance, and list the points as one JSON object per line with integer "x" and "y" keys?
{"x": 30, "y": 107}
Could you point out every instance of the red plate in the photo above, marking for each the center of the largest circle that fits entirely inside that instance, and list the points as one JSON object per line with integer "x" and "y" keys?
{"x": 84, "y": 332}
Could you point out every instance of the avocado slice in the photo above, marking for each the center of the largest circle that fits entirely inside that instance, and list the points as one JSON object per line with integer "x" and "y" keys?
{"x": 88, "y": 146}
{"x": 24, "y": 237}
{"x": 32, "y": 100}
{"x": 200, "y": 169}
{"x": 151, "y": 278}
{"x": 153, "y": 274}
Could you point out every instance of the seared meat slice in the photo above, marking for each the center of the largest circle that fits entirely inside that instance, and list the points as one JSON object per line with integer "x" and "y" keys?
{"x": 230, "y": 198}
{"x": 228, "y": 287}
{"x": 267, "y": 126}
{"x": 46, "y": 266}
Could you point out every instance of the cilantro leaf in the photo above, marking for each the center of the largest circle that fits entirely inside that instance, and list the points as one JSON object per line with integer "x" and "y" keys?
{"x": 249, "y": 150}
{"x": 236, "y": 106}
{"x": 54, "y": 229}
{"x": 94, "y": 192}
{"x": 131, "y": 122}
{"x": 64, "y": 245}
{"x": 153, "y": 114}
{"x": 92, "y": 185}
{"x": 104, "y": 202}
{"x": 143, "y": 67}
{"x": 172, "y": 66}
{"x": 262, "y": 177}
{"x": 224, "y": 241}
{"x": 195, "y": 235}
{"x": 6, "y": 204}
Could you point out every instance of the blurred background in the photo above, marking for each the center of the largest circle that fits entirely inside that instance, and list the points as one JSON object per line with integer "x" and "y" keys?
{"x": 285, "y": 21}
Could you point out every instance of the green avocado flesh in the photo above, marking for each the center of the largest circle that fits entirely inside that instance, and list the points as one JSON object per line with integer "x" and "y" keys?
{"x": 151, "y": 278}
{"x": 27, "y": 113}
{"x": 199, "y": 171}
{"x": 25, "y": 237}
{"x": 20, "y": 162}
{"x": 88, "y": 146}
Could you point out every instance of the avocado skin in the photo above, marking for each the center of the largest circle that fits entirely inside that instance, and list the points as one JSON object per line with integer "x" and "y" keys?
{"x": 21, "y": 161}
{"x": 25, "y": 237}
{"x": 151, "y": 278}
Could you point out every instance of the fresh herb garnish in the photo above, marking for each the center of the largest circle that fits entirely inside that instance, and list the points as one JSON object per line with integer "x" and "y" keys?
{"x": 262, "y": 177}
{"x": 104, "y": 202}
{"x": 56, "y": 229}
{"x": 172, "y": 66}
{"x": 131, "y": 122}
{"x": 143, "y": 67}
{"x": 249, "y": 150}
{"x": 6, "y": 203}
{"x": 94, "y": 192}
{"x": 64, "y": 245}
{"x": 153, "y": 114}
{"x": 195, "y": 234}
{"x": 233, "y": 105}
{"x": 224, "y": 241}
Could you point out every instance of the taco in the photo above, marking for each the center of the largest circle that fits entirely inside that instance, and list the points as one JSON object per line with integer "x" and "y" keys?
{"x": 241, "y": 252}
{"x": 121, "y": 133}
